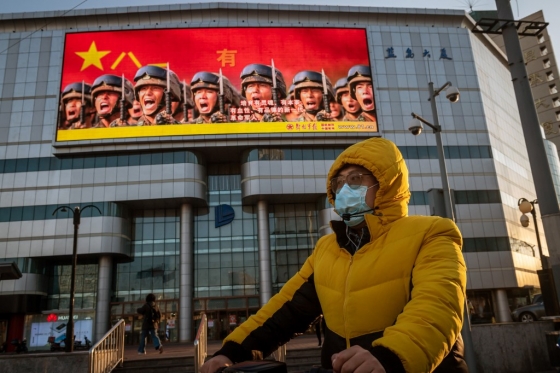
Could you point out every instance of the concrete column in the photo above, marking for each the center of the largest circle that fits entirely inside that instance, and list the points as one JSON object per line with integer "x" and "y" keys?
{"x": 501, "y": 306}
{"x": 265, "y": 270}
{"x": 102, "y": 309}
{"x": 186, "y": 268}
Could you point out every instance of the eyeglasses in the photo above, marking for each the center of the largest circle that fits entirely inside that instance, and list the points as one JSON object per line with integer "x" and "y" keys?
{"x": 354, "y": 181}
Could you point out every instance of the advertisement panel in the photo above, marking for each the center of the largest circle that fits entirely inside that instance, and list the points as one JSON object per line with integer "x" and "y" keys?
{"x": 177, "y": 82}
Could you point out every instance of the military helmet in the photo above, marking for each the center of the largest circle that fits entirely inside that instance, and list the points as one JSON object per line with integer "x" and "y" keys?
{"x": 255, "y": 73}
{"x": 208, "y": 80}
{"x": 155, "y": 75}
{"x": 187, "y": 94}
{"x": 113, "y": 83}
{"x": 356, "y": 74}
{"x": 341, "y": 87}
{"x": 311, "y": 79}
{"x": 74, "y": 90}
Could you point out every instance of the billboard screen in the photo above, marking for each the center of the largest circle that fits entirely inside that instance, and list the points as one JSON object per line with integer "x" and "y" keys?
{"x": 177, "y": 82}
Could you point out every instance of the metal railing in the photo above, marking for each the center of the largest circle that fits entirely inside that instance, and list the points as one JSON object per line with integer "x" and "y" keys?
{"x": 106, "y": 354}
{"x": 200, "y": 344}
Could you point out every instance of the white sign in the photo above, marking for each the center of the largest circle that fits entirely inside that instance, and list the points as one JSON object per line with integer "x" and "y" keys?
{"x": 210, "y": 323}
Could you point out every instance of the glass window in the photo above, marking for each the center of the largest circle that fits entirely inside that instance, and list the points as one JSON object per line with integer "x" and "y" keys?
{"x": 89, "y": 162}
{"x": 145, "y": 159}
{"x": 453, "y": 152}
{"x": 9, "y": 165}
{"x": 540, "y": 38}
{"x": 485, "y": 152}
{"x": 167, "y": 158}
{"x": 549, "y": 75}
{"x": 423, "y": 152}
{"x": 412, "y": 152}
{"x": 21, "y": 165}
{"x": 558, "y": 115}
{"x": 474, "y": 151}
{"x": 78, "y": 163}
{"x": 16, "y": 213}
{"x": 464, "y": 152}
{"x": 552, "y": 88}
{"x": 66, "y": 164}
{"x": 44, "y": 164}
{"x": 33, "y": 164}
{"x": 100, "y": 162}
{"x": 122, "y": 160}
{"x": 544, "y": 51}
{"x": 546, "y": 63}
{"x": 111, "y": 161}
{"x": 157, "y": 158}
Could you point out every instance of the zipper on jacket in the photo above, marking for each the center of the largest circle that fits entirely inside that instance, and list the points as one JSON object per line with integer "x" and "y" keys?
{"x": 345, "y": 300}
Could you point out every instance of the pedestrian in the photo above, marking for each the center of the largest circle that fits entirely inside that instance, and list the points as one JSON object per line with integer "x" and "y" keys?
{"x": 391, "y": 287}
{"x": 150, "y": 323}
{"x": 318, "y": 323}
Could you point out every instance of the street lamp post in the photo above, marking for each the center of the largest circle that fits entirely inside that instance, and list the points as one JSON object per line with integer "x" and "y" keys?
{"x": 452, "y": 94}
{"x": 526, "y": 206}
{"x": 76, "y": 212}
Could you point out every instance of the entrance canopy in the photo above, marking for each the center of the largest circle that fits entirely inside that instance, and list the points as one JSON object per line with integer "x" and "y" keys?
{"x": 9, "y": 271}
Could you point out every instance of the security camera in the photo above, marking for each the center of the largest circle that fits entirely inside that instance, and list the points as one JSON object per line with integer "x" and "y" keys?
{"x": 452, "y": 94}
{"x": 524, "y": 220}
{"x": 415, "y": 127}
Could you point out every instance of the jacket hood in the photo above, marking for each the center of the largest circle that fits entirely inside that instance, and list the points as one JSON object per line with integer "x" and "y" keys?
{"x": 386, "y": 163}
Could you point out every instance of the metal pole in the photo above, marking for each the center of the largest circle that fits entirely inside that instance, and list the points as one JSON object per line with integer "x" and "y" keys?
{"x": 533, "y": 212}
{"x": 441, "y": 157}
{"x": 550, "y": 212}
{"x": 69, "y": 343}
{"x": 466, "y": 329}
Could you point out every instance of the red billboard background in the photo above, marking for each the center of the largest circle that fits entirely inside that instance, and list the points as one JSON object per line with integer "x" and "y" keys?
{"x": 188, "y": 51}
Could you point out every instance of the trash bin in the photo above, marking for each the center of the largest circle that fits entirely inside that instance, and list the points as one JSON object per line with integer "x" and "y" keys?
{"x": 553, "y": 350}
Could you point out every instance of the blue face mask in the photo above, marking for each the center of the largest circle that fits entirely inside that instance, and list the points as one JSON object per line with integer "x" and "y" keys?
{"x": 352, "y": 202}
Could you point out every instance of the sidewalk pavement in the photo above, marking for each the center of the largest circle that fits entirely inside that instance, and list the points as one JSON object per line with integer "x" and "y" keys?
{"x": 302, "y": 342}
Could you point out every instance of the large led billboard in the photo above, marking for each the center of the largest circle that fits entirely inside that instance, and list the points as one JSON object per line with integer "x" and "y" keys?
{"x": 178, "y": 82}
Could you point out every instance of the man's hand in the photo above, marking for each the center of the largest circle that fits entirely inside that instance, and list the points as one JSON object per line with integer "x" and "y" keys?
{"x": 356, "y": 360}
{"x": 215, "y": 363}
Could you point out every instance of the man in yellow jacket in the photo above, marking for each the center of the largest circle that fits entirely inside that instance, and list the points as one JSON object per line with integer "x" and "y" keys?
{"x": 391, "y": 287}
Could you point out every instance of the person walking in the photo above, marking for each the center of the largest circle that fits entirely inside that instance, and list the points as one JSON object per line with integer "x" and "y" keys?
{"x": 318, "y": 323}
{"x": 151, "y": 318}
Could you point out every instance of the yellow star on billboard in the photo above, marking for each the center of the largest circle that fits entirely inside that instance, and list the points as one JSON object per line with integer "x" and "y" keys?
{"x": 92, "y": 57}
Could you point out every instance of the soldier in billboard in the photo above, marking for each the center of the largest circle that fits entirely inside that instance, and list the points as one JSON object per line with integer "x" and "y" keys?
{"x": 135, "y": 112}
{"x": 151, "y": 85}
{"x": 112, "y": 97}
{"x": 295, "y": 110}
{"x": 76, "y": 110}
{"x": 187, "y": 104}
{"x": 260, "y": 85}
{"x": 361, "y": 90}
{"x": 352, "y": 108}
{"x": 314, "y": 90}
{"x": 213, "y": 97}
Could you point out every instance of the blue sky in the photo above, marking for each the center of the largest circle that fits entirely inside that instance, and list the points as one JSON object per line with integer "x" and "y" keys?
{"x": 521, "y": 8}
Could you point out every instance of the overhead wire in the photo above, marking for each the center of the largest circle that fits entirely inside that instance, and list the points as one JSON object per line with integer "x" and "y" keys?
{"x": 42, "y": 27}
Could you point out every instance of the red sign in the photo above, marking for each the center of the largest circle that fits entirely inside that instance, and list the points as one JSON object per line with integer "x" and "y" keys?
{"x": 188, "y": 51}
{"x": 232, "y": 319}
{"x": 52, "y": 317}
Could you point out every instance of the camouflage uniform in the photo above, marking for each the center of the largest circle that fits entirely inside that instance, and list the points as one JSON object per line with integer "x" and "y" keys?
{"x": 356, "y": 74}
{"x": 73, "y": 90}
{"x": 312, "y": 79}
{"x": 156, "y": 76}
{"x": 340, "y": 88}
{"x": 231, "y": 97}
{"x": 258, "y": 73}
{"x": 113, "y": 83}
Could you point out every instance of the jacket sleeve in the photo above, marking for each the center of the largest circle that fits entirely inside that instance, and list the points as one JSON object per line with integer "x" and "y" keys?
{"x": 290, "y": 311}
{"x": 425, "y": 331}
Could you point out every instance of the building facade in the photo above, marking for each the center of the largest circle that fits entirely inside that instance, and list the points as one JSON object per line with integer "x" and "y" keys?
{"x": 165, "y": 200}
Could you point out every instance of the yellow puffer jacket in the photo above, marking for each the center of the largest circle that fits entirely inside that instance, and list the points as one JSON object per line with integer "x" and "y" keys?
{"x": 400, "y": 296}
